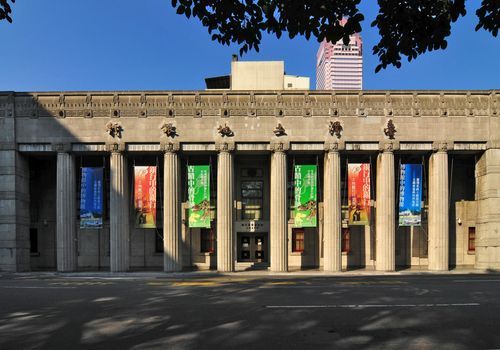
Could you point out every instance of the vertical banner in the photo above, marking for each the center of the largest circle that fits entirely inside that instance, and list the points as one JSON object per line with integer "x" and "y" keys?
{"x": 91, "y": 198}
{"x": 145, "y": 196}
{"x": 199, "y": 195}
{"x": 305, "y": 196}
{"x": 358, "y": 192}
{"x": 410, "y": 195}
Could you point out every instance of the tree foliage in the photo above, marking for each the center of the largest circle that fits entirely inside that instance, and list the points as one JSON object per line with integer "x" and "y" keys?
{"x": 6, "y": 10}
{"x": 407, "y": 28}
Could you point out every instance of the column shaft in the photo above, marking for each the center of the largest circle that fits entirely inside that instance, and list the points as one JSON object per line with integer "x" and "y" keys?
{"x": 438, "y": 211}
{"x": 332, "y": 216}
{"x": 119, "y": 214}
{"x": 279, "y": 236}
{"x": 385, "y": 213}
{"x": 66, "y": 213}
{"x": 225, "y": 240}
{"x": 172, "y": 252}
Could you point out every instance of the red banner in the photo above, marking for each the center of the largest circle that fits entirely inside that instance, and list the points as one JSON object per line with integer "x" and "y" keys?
{"x": 145, "y": 196}
{"x": 358, "y": 180}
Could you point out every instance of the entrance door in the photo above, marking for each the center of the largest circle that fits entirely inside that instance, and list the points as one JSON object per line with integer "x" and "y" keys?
{"x": 252, "y": 247}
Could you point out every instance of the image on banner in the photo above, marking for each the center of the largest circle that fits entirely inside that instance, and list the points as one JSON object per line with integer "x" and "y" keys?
{"x": 305, "y": 193}
{"x": 410, "y": 195}
{"x": 145, "y": 196}
{"x": 199, "y": 195}
{"x": 358, "y": 193}
{"x": 91, "y": 198}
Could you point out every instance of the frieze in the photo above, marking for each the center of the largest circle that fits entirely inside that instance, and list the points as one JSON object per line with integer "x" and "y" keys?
{"x": 101, "y": 113}
{"x": 283, "y": 103}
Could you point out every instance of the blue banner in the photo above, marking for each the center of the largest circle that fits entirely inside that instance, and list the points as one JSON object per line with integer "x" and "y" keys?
{"x": 410, "y": 195}
{"x": 91, "y": 198}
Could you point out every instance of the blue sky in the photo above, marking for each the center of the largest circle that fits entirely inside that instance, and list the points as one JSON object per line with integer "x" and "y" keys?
{"x": 119, "y": 45}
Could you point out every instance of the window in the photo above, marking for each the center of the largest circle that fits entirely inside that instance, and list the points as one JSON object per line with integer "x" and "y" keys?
{"x": 252, "y": 199}
{"x": 207, "y": 240}
{"x": 290, "y": 85}
{"x": 472, "y": 239}
{"x": 346, "y": 240}
{"x": 33, "y": 240}
{"x": 297, "y": 240}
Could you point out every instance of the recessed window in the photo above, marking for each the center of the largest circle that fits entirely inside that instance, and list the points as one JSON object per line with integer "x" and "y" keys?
{"x": 472, "y": 239}
{"x": 207, "y": 240}
{"x": 346, "y": 240}
{"x": 297, "y": 240}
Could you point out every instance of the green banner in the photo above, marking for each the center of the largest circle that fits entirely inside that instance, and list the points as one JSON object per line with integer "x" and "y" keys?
{"x": 199, "y": 195}
{"x": 306, "y": 202}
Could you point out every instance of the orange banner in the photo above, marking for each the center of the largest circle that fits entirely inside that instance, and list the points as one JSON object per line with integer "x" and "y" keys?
{"x": 145, "y": 196}
{"x": 358, "y": 180}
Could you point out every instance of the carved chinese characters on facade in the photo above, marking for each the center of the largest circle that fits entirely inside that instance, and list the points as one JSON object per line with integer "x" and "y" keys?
{"x": 225, "y": 131}
{"x": 114, "y": 129}
{"x": 390, "y": 130}
{"x": 169, "y": 129}
{"x": 279, "y": 130}
{"x": 336, "y": 129}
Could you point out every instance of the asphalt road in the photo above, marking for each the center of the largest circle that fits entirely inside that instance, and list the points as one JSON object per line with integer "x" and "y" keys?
{"x": 384, "y": 312}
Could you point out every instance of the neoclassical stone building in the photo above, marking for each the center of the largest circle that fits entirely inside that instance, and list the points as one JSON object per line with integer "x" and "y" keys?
{"x": 251, "y": 141}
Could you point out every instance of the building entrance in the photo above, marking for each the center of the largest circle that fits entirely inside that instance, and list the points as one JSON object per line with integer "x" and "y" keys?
{"x": 253, "y": 247}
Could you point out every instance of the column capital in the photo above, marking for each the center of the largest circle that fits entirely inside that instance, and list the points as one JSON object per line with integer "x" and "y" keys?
{"x": 224, "y": 146}
{"x": 388, "y": 146}
{"x": 334, "y": 146}
{"x": 61, "y": 147}
{"x": 115, "y": 147}
{"x": 493, "y": 144}
{"x": 279, "y": 146}
{"x": 170, "y": 147}
{"x": 442, "y": 146}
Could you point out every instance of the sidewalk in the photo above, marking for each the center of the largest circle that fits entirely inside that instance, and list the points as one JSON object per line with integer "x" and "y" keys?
{"x": 241, "y": 274}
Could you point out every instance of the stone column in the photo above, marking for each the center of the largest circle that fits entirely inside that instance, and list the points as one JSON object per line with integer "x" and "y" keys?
{"x": 66, "y": 211}
{"x": 172, "y": 252}
{"x": 119, "y": 212}
{"x": 488, "y": 204}
{"x": 225, "y": 184}
{"x": 278, "y": 220}
{"x": 438, "y": 209}
{"x": 332, "y": 210}
{"x": 385, "y": 211}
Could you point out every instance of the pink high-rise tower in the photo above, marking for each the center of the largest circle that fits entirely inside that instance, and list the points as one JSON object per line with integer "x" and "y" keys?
{"x": 340, "y": 67}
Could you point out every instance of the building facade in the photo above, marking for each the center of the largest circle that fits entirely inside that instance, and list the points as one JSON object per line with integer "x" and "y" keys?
{"x": 252, "y": 143}
{"x": 339, "y": 66}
